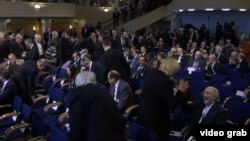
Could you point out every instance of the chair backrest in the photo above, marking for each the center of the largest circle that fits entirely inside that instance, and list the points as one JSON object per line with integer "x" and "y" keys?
{"x": 140, "y": 133}
{"x": 218, "y": 80}
{"x": 62, "y": 73}
{"x": 57, "y": 95}
{"x": 56, "y": 135}
{"x": 17, "y": 104}
{"x": 26, "y": 113}
{"x": 198, "y": 75}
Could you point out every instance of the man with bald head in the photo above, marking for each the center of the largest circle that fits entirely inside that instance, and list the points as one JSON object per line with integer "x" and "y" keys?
{"x": 196, "y": 61}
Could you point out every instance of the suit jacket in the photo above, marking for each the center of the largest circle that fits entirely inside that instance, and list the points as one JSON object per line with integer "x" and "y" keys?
{"x": 96, "y": 68}
{"x": 242, "y": 66}
{"x": 87, "y": 105}
{"x": 140, "y": 73}
{"x": 99, "y": 51}
{"x": 5, "y": 50}
{"x": 113, "y": 59}
{"x": 184, "y": 59}
{"x": 222, "y": 58}
{"x": 201, "y": 63}
{"x": 124, "y": 95}
{"x": 24, "y": 78}
{"x": 43, "y": 48}
{"x": 16, "y": 49}
{"x": 216, "y": 69}
{"x": 116, "y": 42}
{"x": 8, "y": 93}
{"x": 215, "y": 116}
{"x": 134, "y": 63}
{"x": 34, "y": 53}
{"x": 157, "y": 98}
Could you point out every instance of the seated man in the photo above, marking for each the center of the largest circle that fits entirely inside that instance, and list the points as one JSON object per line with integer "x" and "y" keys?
{"x": 196, "y": 62}
{"x": 209, "y": 112}
{"x": 120, "y": 90}
{"x": 141, "y": 69}
{"x": 8, "y": 89}
{"x": 213, "y": 67}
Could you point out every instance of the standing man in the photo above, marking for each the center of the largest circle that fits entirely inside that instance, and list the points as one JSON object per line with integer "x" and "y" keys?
{"x": 33, "y": 49}
{"x": 113, "y": 59}
{"x": 24, "y": 78}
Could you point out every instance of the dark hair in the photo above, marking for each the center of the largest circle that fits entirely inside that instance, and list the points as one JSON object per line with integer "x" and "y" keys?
{"x": 114, "y": 74}
{"x": 5, "y": 74}
{"x": 72, "y": 69}
{"x": 106, "y": 42}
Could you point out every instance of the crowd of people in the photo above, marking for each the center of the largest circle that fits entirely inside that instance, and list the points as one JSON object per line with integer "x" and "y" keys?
{"x": 105, "y": 68}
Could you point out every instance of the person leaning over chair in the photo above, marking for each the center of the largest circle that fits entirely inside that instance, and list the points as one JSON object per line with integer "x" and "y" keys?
{"x": 158, "y": 98}
{"x": 93, "y": 114}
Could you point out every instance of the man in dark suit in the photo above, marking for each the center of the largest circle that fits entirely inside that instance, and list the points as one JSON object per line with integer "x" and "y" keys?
{"x": 16, "y": 46}
{"x": 241, "y": 65}
{"x": 141, "y": 69}
{"x": 113, "y": 59}
{"x": 33, "y": 49}
{"x": 180, "y": 56}
{"x": 40, "y": 45}
{"x": 93, "y": 111}
{"x": 135, "y": 59}
{"x": 115, "y": 39}
{"x": 24, "y": 78}
{"x": 123, "y": 42}
{"x": 76, "y": 60}
{"x": 213, "y": 67}
{"x": 66, "y": 48}
{"x": 8, "y": 90}
{"x": 92, "y": 66}
{"x": 221, "y": 58}
{"x": 209, "y": 112}
{"x": 120, "y": 91}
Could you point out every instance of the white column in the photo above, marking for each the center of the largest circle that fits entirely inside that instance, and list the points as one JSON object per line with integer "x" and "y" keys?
{"x": 87, "y": 2}
{"x": 46, "y": 23}
{"x": 3, "y": 25}
{"x": 117, "y": 3}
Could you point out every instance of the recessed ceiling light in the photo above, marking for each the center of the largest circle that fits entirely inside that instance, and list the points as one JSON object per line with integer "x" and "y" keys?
{"x": 209, "y": 9}
{"x": 180, "y": 10}
{"x": 191, "y": 10}
{"x": 37, "y": 6}
{"x": 242, "y": 10}
{"x": 225, "y": 9}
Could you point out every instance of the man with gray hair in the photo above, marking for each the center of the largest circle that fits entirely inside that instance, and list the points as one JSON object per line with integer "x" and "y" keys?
{"x": 209, "y": 112}
{"x": 84, "y": 78}
{"x": 93, "y": 111}
{"x": 40, "y": 46}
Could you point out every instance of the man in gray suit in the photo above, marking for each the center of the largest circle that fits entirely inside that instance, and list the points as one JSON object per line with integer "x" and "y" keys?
{"x": 196, "y": 62}
{"x": 120, "y": 90}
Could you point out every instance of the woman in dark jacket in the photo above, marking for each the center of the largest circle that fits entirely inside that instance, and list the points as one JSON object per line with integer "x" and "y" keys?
{"x": 158, "y": 97}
